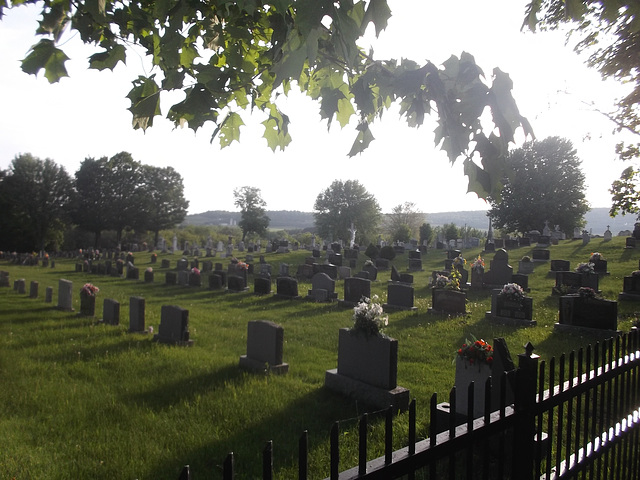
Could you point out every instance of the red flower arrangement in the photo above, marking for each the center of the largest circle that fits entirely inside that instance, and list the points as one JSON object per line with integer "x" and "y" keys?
{"x": 476, "y": 352}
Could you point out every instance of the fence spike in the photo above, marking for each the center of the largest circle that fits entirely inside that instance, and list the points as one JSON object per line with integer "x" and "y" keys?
{"x": 388, "y": 436}
{"x": 185, "y": 474}
{"x": 412, "y": 427}
{"x": 335, "y": 452}
{"x": 267, "y": 461}
{"x": 227, "y": 468}
{"x": 303, "y": 456}
{"x": 362, "y": 445}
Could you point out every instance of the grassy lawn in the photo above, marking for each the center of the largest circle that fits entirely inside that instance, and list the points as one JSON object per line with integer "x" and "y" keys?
{"x": 86, "y": 400}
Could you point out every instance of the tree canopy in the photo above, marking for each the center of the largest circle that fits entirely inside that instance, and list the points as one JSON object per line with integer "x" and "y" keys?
{"x": 404, "y": 222}
{"x": 607, "y": 31}
{"x": 35, "y": 198}
{"x": 342, "y": 205}
{"x": 547, "y": 185}
{"x": 252, "y": 208}
{"x": 229, "y": 58}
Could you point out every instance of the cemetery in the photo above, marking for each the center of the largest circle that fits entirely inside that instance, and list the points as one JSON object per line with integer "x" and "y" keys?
{"x": 271, "y": 351}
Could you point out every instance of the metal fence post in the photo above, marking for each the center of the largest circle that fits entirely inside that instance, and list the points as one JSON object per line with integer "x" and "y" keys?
{"x": 524, "y": 403}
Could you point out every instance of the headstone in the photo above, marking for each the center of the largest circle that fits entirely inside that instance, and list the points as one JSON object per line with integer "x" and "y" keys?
{"x": 20, "y": 286}
{"x": 65, "y": 295}
{"x": 236, "y": 283}
{"x": 372, "y": 270}
{"x": 322, "y": 288}
{"x": 48, "y": 295}
{"x": 174, "y": 326}
{"x": 215, "y": 281}
{"x": 330, "y": 270}
{"x": 399, "y": 296}
{"x": 33, "y": 289}
{"x": 354, "y": 289}
{"x": 287, "y": 287}
{"x": 344, "y": 272}
{"x": 560, "y": 265}
{"x": 500, "y": 271}
{"x": 133, "y": 273}
{"x": 4, "y": 279}
{"x": 586, "y": 238}
{"x": 607, "y": 235}
{"x": 265, "y": 345}
{"x": 262, "y": 285}
{"x": 111, "y": 312}
{"x": 183, "y": 277}
{"x": 171, "y": 278}
{"x": 137, "y": 307}
{"x": 166, "y": 263}
{"x": 585, "y": 312}
{"x": 540, "y": 255}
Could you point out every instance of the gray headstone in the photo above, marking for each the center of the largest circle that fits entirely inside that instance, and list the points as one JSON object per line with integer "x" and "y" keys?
{"x": 65, "y": 296}
{"x": 137, "y": 307}
{"x": 33, "y": 289}
{"x": 174, "y": 326}
{"x": 265, "y": 342}
{"x": 48, "y": 295}
{"x": 111, "y": 312}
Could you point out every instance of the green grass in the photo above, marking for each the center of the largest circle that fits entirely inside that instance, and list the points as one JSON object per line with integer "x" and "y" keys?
{"x": 85, "y": 400}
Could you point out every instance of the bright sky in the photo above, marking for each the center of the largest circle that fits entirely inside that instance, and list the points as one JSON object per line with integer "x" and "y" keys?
{"x": 86, "y": 116}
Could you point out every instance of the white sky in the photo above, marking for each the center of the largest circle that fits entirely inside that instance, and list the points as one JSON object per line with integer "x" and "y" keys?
{"x": 86, "y": 116}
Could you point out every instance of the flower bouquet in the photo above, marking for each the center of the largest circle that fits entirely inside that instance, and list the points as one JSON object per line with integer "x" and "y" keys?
{"x": 368, "y": 316}
{"x": 476, "y": 352}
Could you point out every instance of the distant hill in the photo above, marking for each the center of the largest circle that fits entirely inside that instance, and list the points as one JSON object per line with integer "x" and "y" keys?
{"x": 597, "y": 220}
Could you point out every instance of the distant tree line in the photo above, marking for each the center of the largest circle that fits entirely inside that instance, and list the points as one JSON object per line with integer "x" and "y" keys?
{"x": 43, "y": 208}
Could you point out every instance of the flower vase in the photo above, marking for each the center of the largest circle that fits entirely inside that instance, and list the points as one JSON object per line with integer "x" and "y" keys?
{"x": 87, "y": 305}
{"x": 466, "y": 373}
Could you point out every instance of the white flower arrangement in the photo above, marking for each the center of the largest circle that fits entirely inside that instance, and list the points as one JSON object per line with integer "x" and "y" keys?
{"x": 368, "y": 316}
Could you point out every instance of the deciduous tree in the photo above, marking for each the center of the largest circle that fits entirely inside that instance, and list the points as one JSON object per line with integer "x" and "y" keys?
{"x": 404, "y": 221}
{"x": 548, "y": 185}
{"x": 163, "y": 192}
{"x": 230, "y": 57}
{"x": 252, "y": 208}
{"x": 344, "y": 204}
{"x": 606, "y": 31}
{"x": 35, "y": 197}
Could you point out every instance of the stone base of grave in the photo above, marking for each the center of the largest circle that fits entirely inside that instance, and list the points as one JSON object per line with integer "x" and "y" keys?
{"x": 62, "y": 309}
{"x": 629, "y": 296}
{"x": 178, "y": 343}
{"x": 257, "y": 366}
{"x": 229, "y": 290}
{"x": 515, "y": 322}
{"x": 388, "y": 306}
{"x": 443, "y": 417}
{"x": 376, "y": 397}
{"x": 433, "y": 311}
{"x": 347, "y": 304}
{"x": 562, "y": 328}
{"x": 287, "y": 297}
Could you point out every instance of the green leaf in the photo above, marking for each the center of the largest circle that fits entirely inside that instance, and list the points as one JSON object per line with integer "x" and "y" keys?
{"x": 293, "y": 59}
{"x": 45, "y": 54}
{"x": 364, "y": 138}
{"x": 198, "y": 107}
{"x": 276, "y": 130}
{"x": 479, "y": 181}
{"x": 505, "y": 111}
{"x": 379, "y": 13}
{"x": 145, "y": 102}
{"x": 229, "y": 129}
{"x": 108, "y": 59}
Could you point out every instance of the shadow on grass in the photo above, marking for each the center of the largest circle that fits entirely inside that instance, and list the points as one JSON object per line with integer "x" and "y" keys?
{"x": 320, "y": 408}
{"x": 186, "y": 388}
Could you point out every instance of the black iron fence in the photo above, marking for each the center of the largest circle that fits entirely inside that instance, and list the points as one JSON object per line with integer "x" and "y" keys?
{"x": 577, "y": 417}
